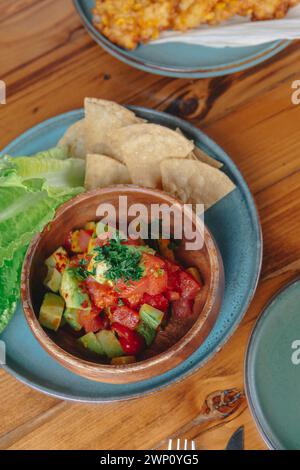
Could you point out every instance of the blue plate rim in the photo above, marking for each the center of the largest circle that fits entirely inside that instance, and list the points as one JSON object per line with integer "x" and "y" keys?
{"x": 256, "y": 410}
{"x": 207, "y": 141}
{"x": 251, "y": 60}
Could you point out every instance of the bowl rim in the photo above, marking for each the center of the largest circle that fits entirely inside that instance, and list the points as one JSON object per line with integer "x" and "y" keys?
{"x": 71, "y": 361}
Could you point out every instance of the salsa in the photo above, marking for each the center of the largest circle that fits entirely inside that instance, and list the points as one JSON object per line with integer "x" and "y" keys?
{"x": 115, "y": 293}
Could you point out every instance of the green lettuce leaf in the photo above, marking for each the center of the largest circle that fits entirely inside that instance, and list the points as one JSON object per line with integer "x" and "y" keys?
{"x": 68, "y": 172}
{"x": 58, "y": 153}
{"x": 10, "y": 276}
{"x": 31, "y": 189}
{"x": 24, "y": 212}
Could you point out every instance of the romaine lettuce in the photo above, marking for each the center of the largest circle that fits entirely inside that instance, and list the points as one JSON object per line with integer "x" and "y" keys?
{"x": 10, "y": 276}
{"x": 31, "y": 189}
{"x": 68, "y": 172}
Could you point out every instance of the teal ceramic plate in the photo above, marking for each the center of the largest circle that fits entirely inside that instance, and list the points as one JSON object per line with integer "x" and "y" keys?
{"x": 236, "y": 228}
{"x": 182, "y": 60}
{"x": 273, "y": 370}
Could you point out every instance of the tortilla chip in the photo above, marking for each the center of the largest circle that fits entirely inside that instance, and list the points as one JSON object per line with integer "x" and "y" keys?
{"x": 102, "y": 171}
{"x": 205, "y": 158}
{"x": 74, "y": 140}
{"x": 102, "y": 116}
{"x": 143, "y": 146}
{"x": 195, "y": 182}
{"x": 198, "y": 154}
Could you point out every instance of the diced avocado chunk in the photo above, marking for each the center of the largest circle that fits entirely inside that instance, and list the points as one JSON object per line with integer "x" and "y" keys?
{"x": 122, "y": 360}
{"x": 98, "y": 270}
{"x": 51, "y": 311}
{"x": 90, "y": 342}
{"x": 72, "y": 292}
{"x": 53, "y": 280}
{"x": 110, "y": 343}
{"x": 147, "y": 332}
{"x": 71, "y": 317}
{"x": 150, "y": 320}
{"x": 151, "y": 316}
{"x": 58, "y": 260}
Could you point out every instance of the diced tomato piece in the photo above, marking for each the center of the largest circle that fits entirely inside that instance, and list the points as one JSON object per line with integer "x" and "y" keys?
{"x": 131, "y": 342}
{"x": 158, "y": 283}
{"x": 90, "y": 231}
{"x": 152, "y": 263}
{"x": 189, "y": 287}
{"x": 155, "y": 271}
{"x": 173, "y": 271}
{"x": 90, "y": 227}
{"x": 132, "y": 242}
{"x": 182, "y": 308}
{"x": 102, "y": 295}
{"x": 172, "y": 267}
{"x": 84, "y": 237}
{"x": 154, "y": 281}
{"x": 92, "y": 321}
{"x": 158, "y": 301}
{"x": 125, "y": 316}
{"x": 76, "y": 260}
{"x": 93, "y": 324}
{"x": 132, "y": 302}
{"x": 133, "y": 346}
{"x": 173, "y": 282}
{"x": 95, "y": 311}
{"x": 181, "y": 282}
{"x": 105, "y": 237}
{"x": 68, "y": 242}
{"x": 172, "y": 295}
{"x": 77, "y": 241}
{"x": 132, "y": 291}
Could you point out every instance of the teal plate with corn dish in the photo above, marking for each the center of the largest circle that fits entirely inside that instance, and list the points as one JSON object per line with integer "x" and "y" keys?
{"x": 178, "y": 59}
{"x": 272, "y": 370}
{"x": 236, "y": 228}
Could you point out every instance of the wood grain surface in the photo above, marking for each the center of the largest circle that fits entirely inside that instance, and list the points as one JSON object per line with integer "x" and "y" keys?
{"x": 50, "y": 64}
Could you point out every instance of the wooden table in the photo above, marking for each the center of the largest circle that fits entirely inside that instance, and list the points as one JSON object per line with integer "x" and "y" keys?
{"x": 50, "y": 64}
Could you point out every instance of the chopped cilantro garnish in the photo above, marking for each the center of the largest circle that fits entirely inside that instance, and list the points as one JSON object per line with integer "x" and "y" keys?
{"x": 84, "y": 273}
{"x": 81, "y": 272}
{"x": 122, "y": 261}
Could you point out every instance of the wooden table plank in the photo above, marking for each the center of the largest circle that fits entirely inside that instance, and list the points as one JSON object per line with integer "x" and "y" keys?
{"x": 50, "y": 64}
{"x": 144, "y": 423}
{"x": 19, "y": 404}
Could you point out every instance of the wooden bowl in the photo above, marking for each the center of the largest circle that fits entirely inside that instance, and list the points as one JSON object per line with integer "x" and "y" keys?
{"x": 165, "y": 355}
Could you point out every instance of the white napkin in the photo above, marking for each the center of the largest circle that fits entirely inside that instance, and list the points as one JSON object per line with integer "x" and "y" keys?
{"x": 239, "y": 32}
